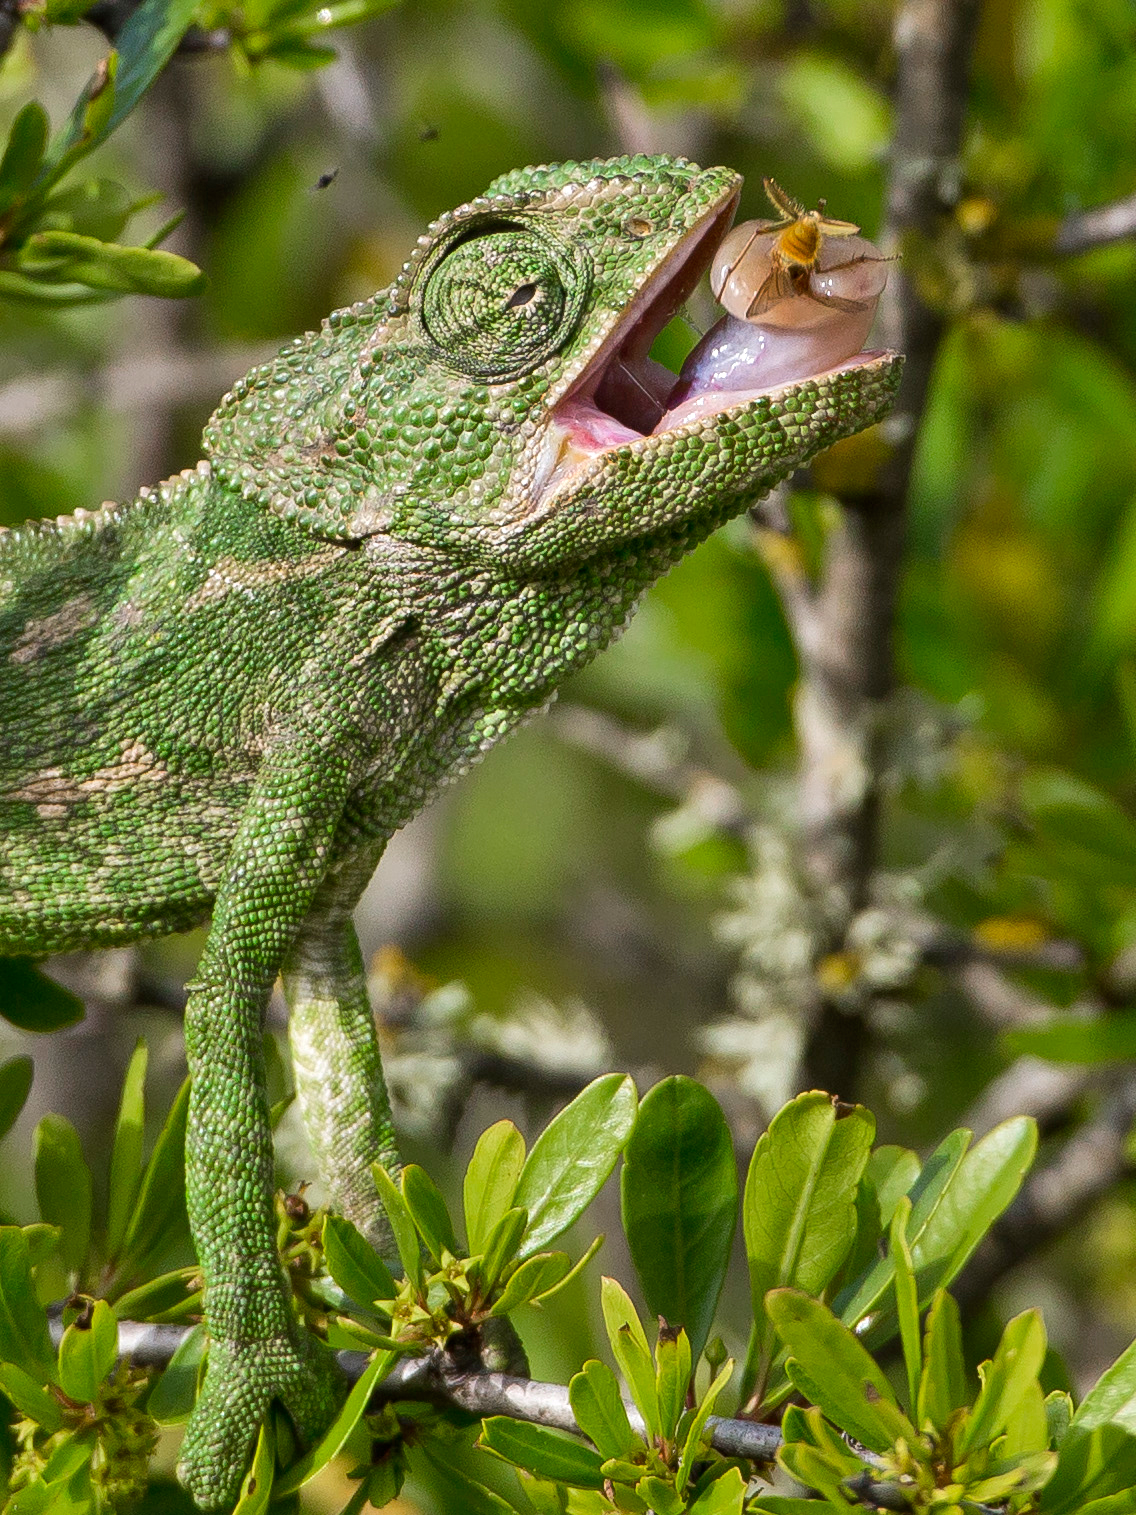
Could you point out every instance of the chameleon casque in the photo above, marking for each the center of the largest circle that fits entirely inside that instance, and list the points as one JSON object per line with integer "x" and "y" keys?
{"x": 222, "y": 698}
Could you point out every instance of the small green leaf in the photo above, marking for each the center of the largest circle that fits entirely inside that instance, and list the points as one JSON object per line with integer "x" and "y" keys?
{"x": 725, "y": 1496}
{"x": 799, "y": 1207}
{"x": 126, "y": 1155}
{"x": 536, "y": 1275}
{"x": 1091, "y": 1465}
{"x": 491, "y": 1181}
{"x": 256, "y": 1490}
{"x": 573, "y": 1158}
{"x": 694, "y": 1445}
{"x": 174, "y": 1296}
{"x": 573, "y": 1272}
{"x": 1112, "y": 1399}
{"x": 87, "y": 1354}
{"x": 335, "y": 1438}
{"x": 15, "y": 1084}
{"x": 679, "y": 1194}
{"x": 428, "y": 1211}
{"x": 354, "y": 1264}
{"x": 633, "y": 1355}
{"x": 63, "y": 1187}
{"x": 32, "y": 1001}
{"x": 455, "y": 1488}
{"x": 545, "y": 1453}
{"x": 942, "y": 1388}
{"x": 1013, "y": 1368}
{"x": 24, "y": 1336}
{"x": 405, "y": 1231}
{"x": 30, "y": 1398}
{"x": 835, "y": 1372}
{"x": 71, "y": 257}
{"x": 1077, "y": 1039}
{"x": 159, "y": 1218}
{"x": 501, "y": 1246}
{"x": 893, "y": 1172}
{"x": 673, "y": 1367}
{"x": 599, "y": 1410}
{"x": 175, "y": 1393}
{"x": 23, "y": 153}
{"x": 659, "y": 1496}
{"x": 906, "y": 1300}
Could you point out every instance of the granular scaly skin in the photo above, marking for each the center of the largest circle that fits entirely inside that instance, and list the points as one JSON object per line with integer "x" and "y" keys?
{"x": 225, "y": 696}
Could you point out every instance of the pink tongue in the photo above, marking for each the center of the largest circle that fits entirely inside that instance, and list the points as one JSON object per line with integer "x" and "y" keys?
{"x": 741, "y": 356}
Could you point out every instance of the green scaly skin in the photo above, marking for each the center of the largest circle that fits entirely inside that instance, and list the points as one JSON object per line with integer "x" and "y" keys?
{"x": 225, "y": 696}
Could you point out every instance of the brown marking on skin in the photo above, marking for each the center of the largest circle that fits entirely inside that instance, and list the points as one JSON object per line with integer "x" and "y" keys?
{"x": 52, "y": 790}
{"x": 40, "y": 636}
{"x": 230, "y": 575}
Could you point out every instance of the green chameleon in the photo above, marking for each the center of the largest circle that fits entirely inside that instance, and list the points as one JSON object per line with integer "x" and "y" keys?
{"x": 224, "y": 697}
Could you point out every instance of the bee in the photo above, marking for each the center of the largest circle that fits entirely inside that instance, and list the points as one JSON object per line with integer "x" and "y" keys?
{"x": 790, "y": 248}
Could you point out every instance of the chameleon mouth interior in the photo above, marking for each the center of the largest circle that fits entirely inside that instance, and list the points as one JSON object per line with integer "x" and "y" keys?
{"x": 624, "y": 395}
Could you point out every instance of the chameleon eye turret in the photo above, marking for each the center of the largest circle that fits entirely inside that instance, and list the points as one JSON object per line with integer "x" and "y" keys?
{"x": 503, "y": 300}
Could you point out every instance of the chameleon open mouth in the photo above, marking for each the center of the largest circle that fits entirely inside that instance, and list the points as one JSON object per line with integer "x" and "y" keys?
{"x": 624, "y": 396}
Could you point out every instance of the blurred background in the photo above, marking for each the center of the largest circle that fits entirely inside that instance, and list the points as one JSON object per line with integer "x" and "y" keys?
{"x": 625, "y": 883}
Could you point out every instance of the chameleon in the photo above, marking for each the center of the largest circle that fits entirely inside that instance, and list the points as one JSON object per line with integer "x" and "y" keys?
{"x": 221, "y": 699}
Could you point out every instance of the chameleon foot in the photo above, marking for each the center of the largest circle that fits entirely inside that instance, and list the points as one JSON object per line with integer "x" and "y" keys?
{"x": 240, "y": 1384}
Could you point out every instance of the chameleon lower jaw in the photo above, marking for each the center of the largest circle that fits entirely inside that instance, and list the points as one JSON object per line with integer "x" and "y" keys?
{"x": 625, "y": 396}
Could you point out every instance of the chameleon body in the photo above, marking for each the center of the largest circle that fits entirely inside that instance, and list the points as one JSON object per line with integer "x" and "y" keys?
{"x": 223, "y": 698}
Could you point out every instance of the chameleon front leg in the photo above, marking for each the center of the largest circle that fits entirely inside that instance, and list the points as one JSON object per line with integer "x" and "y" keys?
{"x": 339, "y": 1073}
{"x": 258, "y": 1352}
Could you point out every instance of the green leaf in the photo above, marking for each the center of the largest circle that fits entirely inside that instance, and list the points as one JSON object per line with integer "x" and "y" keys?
{"x": 633, "y": 1355}
{"x": 174, "y": 1296}
{"x": 63, "y": 1187}
{"x": 573, "y": 1272}
{"x": 693, "y": 1447}
{"x": 32, "y": 1001}
{"x": 175, "y": 1393}
{"x": 126, "y": 1155}
{"x": 1112, "y": 1399}
{"x": 1092, "y": 1464}
{"x": 15, "y": 1084}
{"x": 799, "y": 1208}
{"x": 1087, "y": 831}
{"x": 893, "y": 1172}
{"x": 501, "y": 1246}
{"x": 491, "y": 1181}
{"x": 428, "y": 1212}
{"x": 457, "y": 1491}
{"x": 23, "y": 154}
{"x": 159, "y": 1218}
{"x": 862, "y": 1295}
{"x": 725, "y": 1496}
{"x": 1007, "y": 1377}
{"x": 573, "y": 1158}
{"x": 24, "y": 1337}
{"x": 405, "y": 1231}
{"x": 354, "y": 1264}
{"x": 30, "y": 1398}
{"x": 335, "y": 1438}
{"x": 87, "y": 1354}
{"x": 835, "y": 1372}
{"x": 144, "y": 46}
{"x": 545, "y": 1453}
{"x": 599, "y": 1410}
{"x": 679, "y": 1193}
{"x": 71, "y": 257}
{"x": 536, "y": 1275}
{"x": 673, "y": 1367}
{"x": 906, "y": 1300}
{"x": 942, "y": 1388}
{"x": 1077, "y": 1039}
{"x": 256, "y": 1489}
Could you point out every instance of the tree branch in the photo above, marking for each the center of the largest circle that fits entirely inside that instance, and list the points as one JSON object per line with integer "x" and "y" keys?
{"x": 1097, "y": 227}
{"x": 429, "y": 1379}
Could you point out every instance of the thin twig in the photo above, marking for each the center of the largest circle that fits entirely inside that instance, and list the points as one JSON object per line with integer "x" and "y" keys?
{"x": 1097, "y": 227}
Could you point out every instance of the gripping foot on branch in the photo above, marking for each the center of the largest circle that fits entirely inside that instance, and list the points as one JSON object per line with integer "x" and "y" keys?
{"x": 241, "y": 1382}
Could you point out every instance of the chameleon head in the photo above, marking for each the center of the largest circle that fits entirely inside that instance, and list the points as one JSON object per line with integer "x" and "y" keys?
{"x": 499, "y": 401}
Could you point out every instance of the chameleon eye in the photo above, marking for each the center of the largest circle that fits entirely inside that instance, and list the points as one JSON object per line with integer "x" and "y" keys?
{"x": 499, "y": 303}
